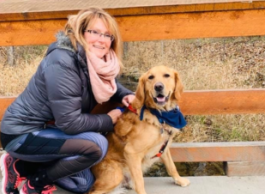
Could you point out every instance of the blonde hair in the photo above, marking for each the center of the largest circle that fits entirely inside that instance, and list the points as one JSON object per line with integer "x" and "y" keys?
{"x": 77, "y": 24}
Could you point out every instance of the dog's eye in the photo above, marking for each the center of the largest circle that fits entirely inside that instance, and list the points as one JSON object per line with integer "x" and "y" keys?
{"x": 166, "y": 75}
{"x": 151, "y": 77}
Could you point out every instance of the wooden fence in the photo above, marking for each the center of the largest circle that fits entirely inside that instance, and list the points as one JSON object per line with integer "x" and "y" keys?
{"x": 34, "y": 22}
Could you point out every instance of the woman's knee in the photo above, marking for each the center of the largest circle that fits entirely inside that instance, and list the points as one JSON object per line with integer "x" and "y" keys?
{"x": 98, "y": 139}
{"x": 93, "y": 151}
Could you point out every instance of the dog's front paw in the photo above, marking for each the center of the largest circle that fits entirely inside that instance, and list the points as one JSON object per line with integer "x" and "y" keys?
{"x": 182, "y": 182}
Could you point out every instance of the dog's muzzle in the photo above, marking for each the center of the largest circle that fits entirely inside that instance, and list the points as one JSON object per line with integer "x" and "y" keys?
{"x": 160, "y": 98}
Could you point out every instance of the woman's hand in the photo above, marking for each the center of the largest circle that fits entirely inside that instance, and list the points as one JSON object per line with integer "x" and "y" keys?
{"x": 114, "y": 115}
{"x": 128, "y": 99}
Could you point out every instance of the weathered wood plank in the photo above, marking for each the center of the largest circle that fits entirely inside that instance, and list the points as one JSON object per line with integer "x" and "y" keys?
{"x": 192, "y": 25}
{"x": 223, "y": 102}
{"x": 147, "y": 27}
{"x": 29, "y": 33}
{"x": 199, "y": 102}
{"x": 13, "y": 10}
{"x": 4, "y": 103}
{"x": 222, "y": 151}
{"x": 245, "y": 168}
{"x": 214, "y": 102}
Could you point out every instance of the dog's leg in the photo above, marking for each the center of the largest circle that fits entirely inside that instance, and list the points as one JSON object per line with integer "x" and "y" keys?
{"x": 108, "y": 176}
{"x": 134, "y": 162}
{"x": 171, "y": 169}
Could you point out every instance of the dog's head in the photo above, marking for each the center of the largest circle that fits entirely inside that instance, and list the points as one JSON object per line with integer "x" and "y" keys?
{"x": 159, "y": 88}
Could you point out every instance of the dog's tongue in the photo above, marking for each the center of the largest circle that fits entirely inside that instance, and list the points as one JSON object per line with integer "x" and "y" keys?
{"x": 160, "y": 99}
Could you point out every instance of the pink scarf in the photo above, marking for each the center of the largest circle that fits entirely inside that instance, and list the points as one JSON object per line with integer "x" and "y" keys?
{"x": 102, "y": 75}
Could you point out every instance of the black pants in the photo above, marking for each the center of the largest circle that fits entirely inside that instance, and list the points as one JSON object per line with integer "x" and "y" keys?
{"x": 65, "y": 158}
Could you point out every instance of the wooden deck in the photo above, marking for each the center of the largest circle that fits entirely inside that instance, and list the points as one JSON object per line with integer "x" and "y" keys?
{"x": 201, "y": 184}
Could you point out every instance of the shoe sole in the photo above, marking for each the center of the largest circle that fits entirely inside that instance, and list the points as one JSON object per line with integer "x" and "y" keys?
{"x": 4, "y": 172}
{"x": 21, "y": 191}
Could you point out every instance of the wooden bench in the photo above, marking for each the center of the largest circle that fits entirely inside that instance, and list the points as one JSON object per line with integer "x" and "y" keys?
{"x": 36, "y": 22}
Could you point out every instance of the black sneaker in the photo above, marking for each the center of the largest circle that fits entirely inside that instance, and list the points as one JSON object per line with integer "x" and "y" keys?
{"x": 11, "y": 177}
{"x": 28, "y": 189}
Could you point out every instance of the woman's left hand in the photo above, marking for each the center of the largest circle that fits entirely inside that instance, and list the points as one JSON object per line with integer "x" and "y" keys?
{"x": 128, "y": 99}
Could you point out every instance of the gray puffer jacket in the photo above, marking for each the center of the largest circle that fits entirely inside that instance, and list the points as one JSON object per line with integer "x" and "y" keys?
{"x": 60, "y": 90}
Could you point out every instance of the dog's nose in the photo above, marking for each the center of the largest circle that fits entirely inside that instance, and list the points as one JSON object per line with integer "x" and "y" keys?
{"x": 159, "y": 87}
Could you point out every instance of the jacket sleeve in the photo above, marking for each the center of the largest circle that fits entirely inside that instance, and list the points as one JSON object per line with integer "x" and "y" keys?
{"x": 64, "y": 90}
{"x": 120, "y": 93}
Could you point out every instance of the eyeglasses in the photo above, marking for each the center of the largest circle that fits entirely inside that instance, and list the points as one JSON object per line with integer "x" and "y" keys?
{"x": 97, "y": 34}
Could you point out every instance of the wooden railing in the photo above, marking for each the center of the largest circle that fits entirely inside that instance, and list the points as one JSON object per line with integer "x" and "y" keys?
{"x": 35, "y": 22}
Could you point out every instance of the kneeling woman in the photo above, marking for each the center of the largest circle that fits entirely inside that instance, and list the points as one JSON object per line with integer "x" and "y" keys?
{"x": 48, "y": 132}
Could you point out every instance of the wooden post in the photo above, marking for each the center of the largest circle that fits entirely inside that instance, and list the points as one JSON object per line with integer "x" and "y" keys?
{"x": 10, "y": 56}
{"x": 245, "y": 168}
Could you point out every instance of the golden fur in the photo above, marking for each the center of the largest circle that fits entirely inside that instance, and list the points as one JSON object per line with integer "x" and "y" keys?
{"x": 134, "y": 142}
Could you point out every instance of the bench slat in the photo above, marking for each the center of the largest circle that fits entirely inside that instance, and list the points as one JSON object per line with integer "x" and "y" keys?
{"x": 33, "y": 6}
{"x": 199, "y": 102}
{"x": 13, "y": 10}
{"x": 223, "y": 102}
{"x": 216, "y": 152}
{"x": 147, "y": 27}
{"x": 4, "y": 103}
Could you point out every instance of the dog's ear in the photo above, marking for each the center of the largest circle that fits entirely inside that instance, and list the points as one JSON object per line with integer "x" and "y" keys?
{"x": 140, "y": 94}
{"x": 178, "y": 86}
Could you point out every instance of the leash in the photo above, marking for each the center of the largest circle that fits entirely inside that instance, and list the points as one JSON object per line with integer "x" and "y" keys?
{"x": 163, "y": 147}
{"x": 130, "y": 108}
{"x": 121, "y": 108}
{"x": 48, "y": 123}
{"x": 173, "y": 118}
{"x": 161, "y": 151}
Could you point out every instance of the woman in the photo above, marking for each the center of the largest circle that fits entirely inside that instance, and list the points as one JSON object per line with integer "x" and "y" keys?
{"x": 48, "y": 134}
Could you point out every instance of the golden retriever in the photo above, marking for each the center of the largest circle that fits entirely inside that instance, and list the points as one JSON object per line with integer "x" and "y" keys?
{"x": 139, "y": 136}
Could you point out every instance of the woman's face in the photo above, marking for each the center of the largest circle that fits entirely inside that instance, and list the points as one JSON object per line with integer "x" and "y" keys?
{"x": 98, "y": 38}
